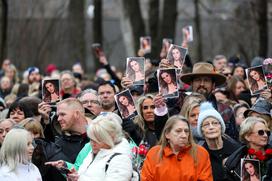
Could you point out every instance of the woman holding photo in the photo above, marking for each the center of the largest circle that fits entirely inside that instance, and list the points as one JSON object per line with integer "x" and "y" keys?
{"x": 51, "y": 92}
{"x": 254, "y": 133}
{"x": 168, "y": 82}
{"x": 256, "y": 80}
{"x": 135, "y": 72}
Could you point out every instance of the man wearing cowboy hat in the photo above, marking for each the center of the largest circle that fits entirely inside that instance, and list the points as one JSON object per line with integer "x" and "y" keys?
{"x": 203, "y": 80}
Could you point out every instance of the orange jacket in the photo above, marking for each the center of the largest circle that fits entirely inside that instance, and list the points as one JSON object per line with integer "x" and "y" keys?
{"x": 176, "y": 167}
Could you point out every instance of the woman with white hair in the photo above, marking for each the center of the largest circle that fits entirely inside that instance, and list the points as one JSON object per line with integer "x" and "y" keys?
{"x": 211, "y": 126}
{"x": 110, "y": 155}
{"x": 15, "y": 157}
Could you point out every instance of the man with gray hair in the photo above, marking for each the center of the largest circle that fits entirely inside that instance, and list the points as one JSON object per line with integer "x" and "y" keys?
{"x": 90, "y": 101}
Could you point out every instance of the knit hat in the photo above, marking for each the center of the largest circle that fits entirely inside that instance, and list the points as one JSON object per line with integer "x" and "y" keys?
{"x": 32, "y": 69}
{"x": 207, "y": 110}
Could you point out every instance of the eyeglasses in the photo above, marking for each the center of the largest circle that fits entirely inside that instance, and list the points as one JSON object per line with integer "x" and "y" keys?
{"x": 262, "y": 132}
{"x": 214, "y": 124}
{"x": 146, "y": 107}
{"x": 90, "y": 102}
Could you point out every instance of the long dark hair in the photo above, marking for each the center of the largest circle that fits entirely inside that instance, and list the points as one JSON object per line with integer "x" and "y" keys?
{"x": 253, "y": 83}
{"x": 123, "y": 108}
{"x": 246, "y": 175}
{"x": 170, "y": 73}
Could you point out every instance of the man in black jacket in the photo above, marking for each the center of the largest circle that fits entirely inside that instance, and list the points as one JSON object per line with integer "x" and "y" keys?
{"x": 73, "y": 124}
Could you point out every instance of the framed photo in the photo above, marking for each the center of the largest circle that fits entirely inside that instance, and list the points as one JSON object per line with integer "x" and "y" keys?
{"x": 176, "y": 55}
{"x": 145, "y": 44}
{"x": 125, "y": 104}
{"x": 135, "y": 70}
{"x": 256, "y": 79}
{"x": 166, "y": 42}
{"x": 250, "y": 169}
{"x": 51, "y": 90}
{"x": 267, "y": 66}
{"x": 187, "y": 33}
{"x": 167, "y": 80}
{"x": 97, "y": 49}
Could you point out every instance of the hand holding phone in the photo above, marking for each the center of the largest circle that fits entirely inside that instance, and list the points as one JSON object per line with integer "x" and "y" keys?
{"x": 64, "y": 170}
{"x": 97, "y": 49}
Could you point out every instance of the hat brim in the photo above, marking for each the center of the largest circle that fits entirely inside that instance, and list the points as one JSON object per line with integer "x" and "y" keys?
{"x": 217, "y": 78}
{"x": 246, "y": 113}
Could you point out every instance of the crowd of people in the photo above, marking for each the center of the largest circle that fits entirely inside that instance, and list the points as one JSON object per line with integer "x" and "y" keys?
{"x": 168, "y": 120}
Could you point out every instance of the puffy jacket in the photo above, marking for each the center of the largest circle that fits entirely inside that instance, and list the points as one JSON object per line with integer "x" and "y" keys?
{"x": 174, "y": 167}
{"x": 119, "y": 168}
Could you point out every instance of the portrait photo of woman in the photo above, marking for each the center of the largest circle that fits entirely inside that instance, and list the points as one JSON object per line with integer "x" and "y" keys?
{"x": 51, "y": 90}
{"x": 145, "y": 43}
{"x": 250, "y": 170}
{"x": 167, "y": 79}
{"x": 135, "y": 70}
{"x": 187, "y": 33}
{"x": 256, "y": 79}
{"x": 166, "y": 43}
{"x": 125, "y": 104}
{"x": 176, "y": 56}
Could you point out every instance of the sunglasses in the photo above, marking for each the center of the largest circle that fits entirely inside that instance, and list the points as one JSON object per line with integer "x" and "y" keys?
{"x": 262, "y": 132}
{"x": 151, "y": 107}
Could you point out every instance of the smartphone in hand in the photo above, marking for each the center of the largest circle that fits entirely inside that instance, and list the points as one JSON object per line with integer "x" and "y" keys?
{"x": 97, "y": 49}
{"x": 64, "y": 170}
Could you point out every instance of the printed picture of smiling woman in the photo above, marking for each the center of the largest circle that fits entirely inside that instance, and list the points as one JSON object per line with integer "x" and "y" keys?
{"x": 125, "y": 104}
{"x": 167, "y": 79}
{"x": 256, "y": 79}
{"x": 176, "y": 56}
{"x": 250, "y": 170}
{"x": 51, "y": 90}
{"x": 135, "y": 70}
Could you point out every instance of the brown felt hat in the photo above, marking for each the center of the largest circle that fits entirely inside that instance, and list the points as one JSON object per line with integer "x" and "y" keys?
{"x": 203, "y": 69}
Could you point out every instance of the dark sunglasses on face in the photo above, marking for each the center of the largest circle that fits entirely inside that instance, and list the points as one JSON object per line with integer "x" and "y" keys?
{"x": 262, "y": 132}
{"x": 151, "y": 107}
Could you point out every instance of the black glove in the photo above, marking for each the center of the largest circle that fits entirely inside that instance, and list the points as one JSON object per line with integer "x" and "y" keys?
{"x": 128, "y": 125}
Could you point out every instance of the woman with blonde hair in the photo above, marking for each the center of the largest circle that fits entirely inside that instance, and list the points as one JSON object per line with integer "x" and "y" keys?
{"x": 12, "y": 73}
{"x": 15, "y": 157}
{"x": 177, "y": 157}
{"x": 34, "y": 126}
{"x": 110, "y": 154}
{"x": 254, "y": 133}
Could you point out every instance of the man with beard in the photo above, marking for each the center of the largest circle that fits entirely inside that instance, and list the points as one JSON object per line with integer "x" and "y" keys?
{"x": 106, "y": 92}
{"x": 203, "y": 80}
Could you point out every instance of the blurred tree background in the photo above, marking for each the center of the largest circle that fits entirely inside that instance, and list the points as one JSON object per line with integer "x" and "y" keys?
{"x": 39, "y": 32}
